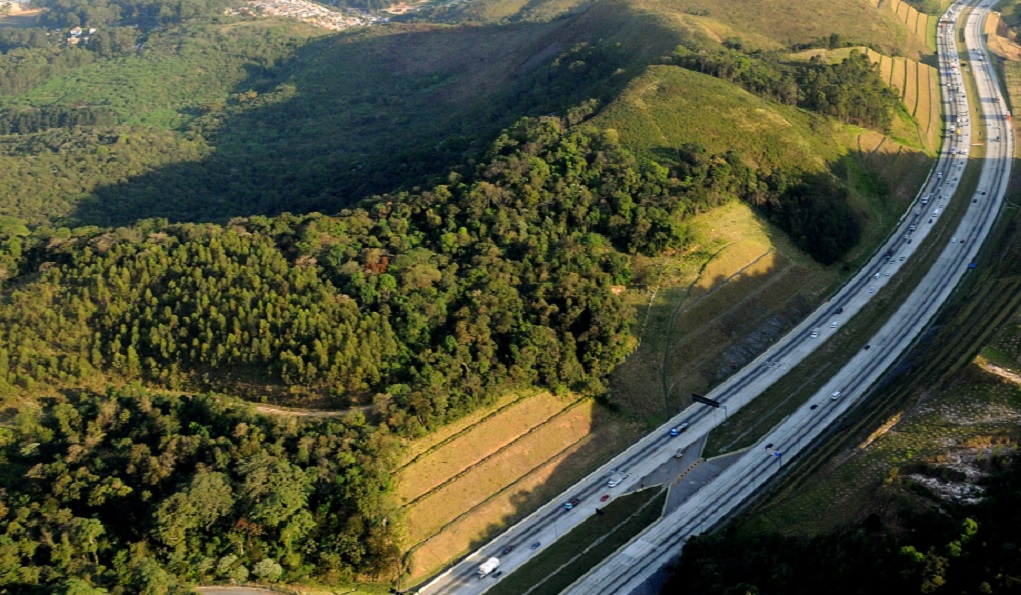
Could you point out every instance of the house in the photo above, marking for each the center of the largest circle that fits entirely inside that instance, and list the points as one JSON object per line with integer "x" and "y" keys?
{"x": 76, "y": 32}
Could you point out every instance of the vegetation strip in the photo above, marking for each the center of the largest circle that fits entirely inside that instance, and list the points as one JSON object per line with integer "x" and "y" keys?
{"x": 467, "y": 429}
{"x": 499, "y": 451}
{"x": 501, "y": 491}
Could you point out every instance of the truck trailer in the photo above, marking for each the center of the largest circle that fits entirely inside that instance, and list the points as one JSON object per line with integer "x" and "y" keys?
{"x": 488, "y": 566}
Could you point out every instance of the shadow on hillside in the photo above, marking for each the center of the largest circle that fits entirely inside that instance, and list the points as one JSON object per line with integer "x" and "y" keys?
{"x": 354, "y": 114}
{"x": 606, "y": 438}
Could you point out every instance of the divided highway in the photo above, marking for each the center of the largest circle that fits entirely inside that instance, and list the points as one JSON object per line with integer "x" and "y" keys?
{"x": 663, "y": 541}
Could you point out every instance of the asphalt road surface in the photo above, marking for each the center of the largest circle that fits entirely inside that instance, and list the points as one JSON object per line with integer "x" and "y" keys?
{"x": 662, "y": 542}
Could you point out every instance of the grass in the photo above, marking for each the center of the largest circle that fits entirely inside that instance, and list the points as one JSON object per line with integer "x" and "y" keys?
{"x": 502, "y": 467}
{"x": 478, "y": 504}
{"x": 496, "y": 433}
{"x": 940, "y": 399}
{"x": 585, "y": 546}
{"x": 774, "y": 25}
{"x": 692, "y": 305}
{"x": 790, "y": 392}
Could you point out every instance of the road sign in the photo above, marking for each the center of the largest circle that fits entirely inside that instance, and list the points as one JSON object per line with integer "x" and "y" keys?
{"x": 704, "y": 401}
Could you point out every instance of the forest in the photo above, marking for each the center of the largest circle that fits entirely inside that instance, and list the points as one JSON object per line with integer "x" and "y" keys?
{"x": 424, "y": 305}
{"x": 851, "y": 91}
{"x": 130, "y": 492}
{"x": 943, "y": 548}
{"x": 440, "y": 277}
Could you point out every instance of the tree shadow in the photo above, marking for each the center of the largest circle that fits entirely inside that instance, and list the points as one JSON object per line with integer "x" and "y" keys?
{"x": 355, "y": 114}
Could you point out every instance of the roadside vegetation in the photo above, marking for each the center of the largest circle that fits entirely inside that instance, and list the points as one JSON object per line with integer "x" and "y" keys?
{"x": 919, "y": 487}
{"x": 478, "y": 212}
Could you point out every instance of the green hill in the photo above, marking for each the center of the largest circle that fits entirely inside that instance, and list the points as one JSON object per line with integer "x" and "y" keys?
{"x": 478, "y": 205}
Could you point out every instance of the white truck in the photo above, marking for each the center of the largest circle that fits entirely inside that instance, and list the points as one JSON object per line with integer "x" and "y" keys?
{"x": 488, "y": 566}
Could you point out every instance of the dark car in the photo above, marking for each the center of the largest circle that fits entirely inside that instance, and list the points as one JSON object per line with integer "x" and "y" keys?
{"x": 497, "y": 574}
{"x": 534, "y": 546}
{"x": 507, "y": 550}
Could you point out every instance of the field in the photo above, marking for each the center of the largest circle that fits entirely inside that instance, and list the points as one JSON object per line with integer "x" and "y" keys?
{"x": 464, "y": 488}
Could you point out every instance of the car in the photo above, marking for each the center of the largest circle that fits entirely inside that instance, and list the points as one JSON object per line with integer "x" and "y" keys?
{"x": 902, "y": 258}
{"x": 840, "y": 310}
{"x": 507, "y": 550}
{"x": 604, "y": 498}
{"x": 962, "y": 240}
{"x": 813, "y": 406}
{"x": 835, "y": 395}
{"x": 887, "y": 273}
{"x": 953, "y": 240}
{"x": 815, "y": 333}
{"x": 681, "y": 428}
{"x": 497, "y": 574}
{"x": 571, "y": 503}
{"x": 617, "y": 479}
{"x": 930, "y": 220}
{"x": 534, "y": 546}
{"x": 866, "y": 348}
{"x": 892, "y": 262}
{"x": 876, "y": 276}
{"x": 872, "y": 289}
{"x": 909, "y": 241}
{"x": 974, "y": 201}
{"x": 833, "y": 324}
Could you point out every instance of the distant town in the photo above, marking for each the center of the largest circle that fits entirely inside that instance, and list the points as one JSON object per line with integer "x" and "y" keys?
{"x": 312, "y": 13}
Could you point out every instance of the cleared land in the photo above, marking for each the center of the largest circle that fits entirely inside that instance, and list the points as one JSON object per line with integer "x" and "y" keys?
{"x": 474, "y": 505}
{"x": 501, "y": 430}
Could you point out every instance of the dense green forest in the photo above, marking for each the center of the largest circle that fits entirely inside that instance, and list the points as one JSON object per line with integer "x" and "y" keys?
{"x": 141, "y": 493}
{"x": 425, "y": 305}
{"x": 945, "y": 548}
{"x": 448, "y": 268}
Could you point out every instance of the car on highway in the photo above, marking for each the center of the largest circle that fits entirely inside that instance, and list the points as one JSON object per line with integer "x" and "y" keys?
{"x": 497, "y": 574}
{"x": 571, "y": 503}
{"x": 676, "y": 431}
{"x": 617, "y": 479}
{"x": 833, "y": 324}
{"x": 835, "y": 395}
{"x": 815, "y": 333}
{"x": 604, "y": 498}
{"x": 534, "y": 546}
{"x": 507, "y": 550}
{"x": 872, "y": 289}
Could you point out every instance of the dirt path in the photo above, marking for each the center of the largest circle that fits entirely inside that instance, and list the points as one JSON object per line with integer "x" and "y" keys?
{"x": 1001, "y": 372}
{"x": 289, "y": 412}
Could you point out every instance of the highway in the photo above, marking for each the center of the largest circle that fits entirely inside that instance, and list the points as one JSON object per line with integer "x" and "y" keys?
{"x": 663, "y": 541}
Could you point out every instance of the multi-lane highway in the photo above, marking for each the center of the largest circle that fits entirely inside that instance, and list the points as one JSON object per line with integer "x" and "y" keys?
{"x": 662, "y": 542}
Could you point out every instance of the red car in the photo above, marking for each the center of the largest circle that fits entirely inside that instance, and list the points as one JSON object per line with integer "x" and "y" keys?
{"x": 605, "y": 498}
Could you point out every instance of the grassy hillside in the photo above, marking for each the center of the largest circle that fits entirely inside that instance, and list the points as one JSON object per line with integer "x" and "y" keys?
{"x": 535, "y": 259}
